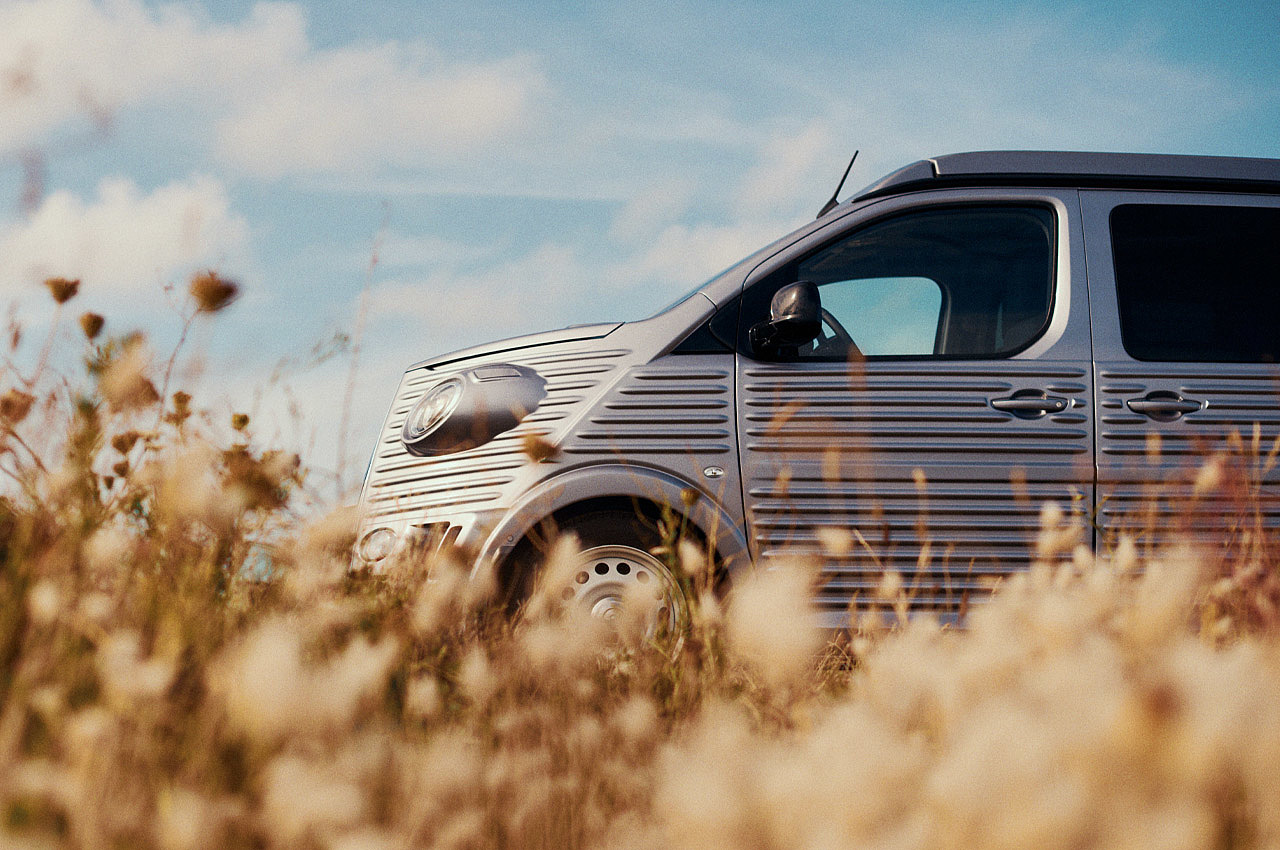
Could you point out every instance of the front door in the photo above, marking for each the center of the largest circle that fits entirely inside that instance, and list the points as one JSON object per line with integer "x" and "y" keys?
{"x": 1186, "y": 303}
{"x": 947, "y": 398}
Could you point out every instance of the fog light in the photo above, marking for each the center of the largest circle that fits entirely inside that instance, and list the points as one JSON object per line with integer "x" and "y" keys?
{"x": 377, "y": 544}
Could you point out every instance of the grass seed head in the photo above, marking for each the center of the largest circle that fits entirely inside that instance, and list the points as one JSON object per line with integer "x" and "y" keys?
{"x": 44, "y": 602}
{"x": 771, "y": 624}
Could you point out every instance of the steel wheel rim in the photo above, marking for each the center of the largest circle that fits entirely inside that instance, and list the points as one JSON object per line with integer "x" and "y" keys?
{"x": 606, "y": 576}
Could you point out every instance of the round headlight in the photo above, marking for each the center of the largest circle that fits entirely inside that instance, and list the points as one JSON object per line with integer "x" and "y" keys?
{"x": 377, "y": 544}
{"x": 470, "y": 408}
{"x": 434, "y": 408}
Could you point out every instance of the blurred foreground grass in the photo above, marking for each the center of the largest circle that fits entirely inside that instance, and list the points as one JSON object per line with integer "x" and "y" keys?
{"x": 158, "y": 690}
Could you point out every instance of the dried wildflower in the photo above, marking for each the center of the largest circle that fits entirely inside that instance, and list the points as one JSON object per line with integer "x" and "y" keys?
{"x": 259, "y": 482}
{"x": 126, "y": 675}
{"x": 831, "y": 463}
{"x": 477, "y": 677}
{"x": 124, "y": 441}
{"x": 538, "y": 450}
{"x": 837, "y": 541}
{"x": 1058, "y": 533}
{"x": 62, "y": 289}
{"x": 212, "y": 292}
{"x": 422, "y": 699}
{"x": 124, "y": 382}
{"x": 96, "y": 607}
{"x": 269, "y": 692}
{"x": 263, "y": 683}
{"x": 44, "y": 602}
{"x": 239, "y": 421}
{"x": 891, "y": 584}
{"x": 185, "y": 820}
{"x": 187, "y": 488}
{"x": 1209, "y": 476}
{"x": 693, "y": 560}
{"x": 14, "y": 406}
{"x": 305, "y": 799}
{"x": 689, "y": 497}
{"x": 770, "y": 626}
{"x": 91, "y": 324}
{"x": 181, "y": 409}
{"x": 120, "y": 468}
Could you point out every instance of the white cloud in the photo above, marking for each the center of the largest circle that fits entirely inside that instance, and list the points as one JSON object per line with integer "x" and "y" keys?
{"x": 681, "y": 256}
{"x": 122, "y": 241}
{"x": 789, "y": 166}
{"x": 397, "y": 250}
{"x": 651, "y": 209}
{"x": 270, "y": 102}
{"x": 512, "y": 296}
{"x": 73, "y": 59}
{"x": 356, "y": 108}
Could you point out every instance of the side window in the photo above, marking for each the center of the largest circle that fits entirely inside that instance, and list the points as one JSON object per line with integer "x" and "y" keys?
{"x": 964, "y": 282}
{"x": 1198, "y": 283}
{"x": 886, "y": 315}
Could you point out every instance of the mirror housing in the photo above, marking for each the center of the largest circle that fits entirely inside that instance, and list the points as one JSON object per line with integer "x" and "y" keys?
{"x": 795, "y": 318}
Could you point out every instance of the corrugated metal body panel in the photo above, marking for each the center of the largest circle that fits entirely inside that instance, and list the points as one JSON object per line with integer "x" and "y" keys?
{"x": 677, "y": 414}
{"x": 832, "y": 446}
{"x": 401, "y": 484}
{"x": 681, "y": 405}
{"x": 1147, "y": 468}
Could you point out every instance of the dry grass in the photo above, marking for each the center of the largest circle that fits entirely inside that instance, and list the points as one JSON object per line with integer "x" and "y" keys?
{"x": 156, "y": 690}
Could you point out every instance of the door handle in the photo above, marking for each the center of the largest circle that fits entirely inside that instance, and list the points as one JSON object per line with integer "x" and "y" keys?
{"x": 1164, "y": 406}
{"x": 1030, "y": 404}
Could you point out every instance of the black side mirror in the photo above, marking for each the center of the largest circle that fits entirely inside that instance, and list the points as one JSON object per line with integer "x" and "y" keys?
{"x": 795, "y": 318}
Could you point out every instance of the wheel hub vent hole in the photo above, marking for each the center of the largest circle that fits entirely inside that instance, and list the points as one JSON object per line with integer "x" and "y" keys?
{"x": 642, "y": 577}
{"x": 624, "y": 569}
{"x": 602, "y": 568}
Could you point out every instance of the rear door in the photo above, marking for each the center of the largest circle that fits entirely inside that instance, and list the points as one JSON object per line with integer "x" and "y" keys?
{"x": 949, "y": 397}
{"x": 1185, "y": 292}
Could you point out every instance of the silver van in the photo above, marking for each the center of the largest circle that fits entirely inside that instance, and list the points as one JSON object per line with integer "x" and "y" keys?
{"x": 917, "y": 371}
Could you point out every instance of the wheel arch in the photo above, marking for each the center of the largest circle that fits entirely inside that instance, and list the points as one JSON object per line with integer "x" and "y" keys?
{"x": 601, "y": 486}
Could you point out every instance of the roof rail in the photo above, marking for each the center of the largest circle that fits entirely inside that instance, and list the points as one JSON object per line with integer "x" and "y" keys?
{"x": 1005, "y": 168}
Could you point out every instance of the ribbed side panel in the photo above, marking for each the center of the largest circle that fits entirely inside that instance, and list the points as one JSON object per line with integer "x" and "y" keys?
{"x": 1147, "y": 468}
{"x": 679, "y": 406}
{"x": 402, "y": 484}
{"x": 912, "y": 460}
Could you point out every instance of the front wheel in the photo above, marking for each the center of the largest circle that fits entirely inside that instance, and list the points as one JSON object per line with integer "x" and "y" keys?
{"x": 616, "y": 568}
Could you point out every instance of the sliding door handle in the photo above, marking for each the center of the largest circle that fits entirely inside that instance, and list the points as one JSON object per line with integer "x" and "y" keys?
{"x": 1164, "y": 406}
{"x": 1030, "y": 404}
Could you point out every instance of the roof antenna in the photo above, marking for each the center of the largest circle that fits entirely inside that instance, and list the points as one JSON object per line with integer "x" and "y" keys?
{"x": 831, "y": 204}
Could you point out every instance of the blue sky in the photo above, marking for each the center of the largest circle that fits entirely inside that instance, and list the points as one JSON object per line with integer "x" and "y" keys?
{"x": 523, "y": 166}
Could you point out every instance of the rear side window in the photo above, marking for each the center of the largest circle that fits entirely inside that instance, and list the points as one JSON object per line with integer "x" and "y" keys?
{"x": 1198, "y": 283}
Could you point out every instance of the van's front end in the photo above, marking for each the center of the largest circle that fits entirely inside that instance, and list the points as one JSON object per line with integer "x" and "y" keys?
{"x": 482, "y": 446}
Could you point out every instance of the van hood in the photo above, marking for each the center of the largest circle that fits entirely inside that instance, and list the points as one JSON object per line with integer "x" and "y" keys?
{"x": 573, "y": 333}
